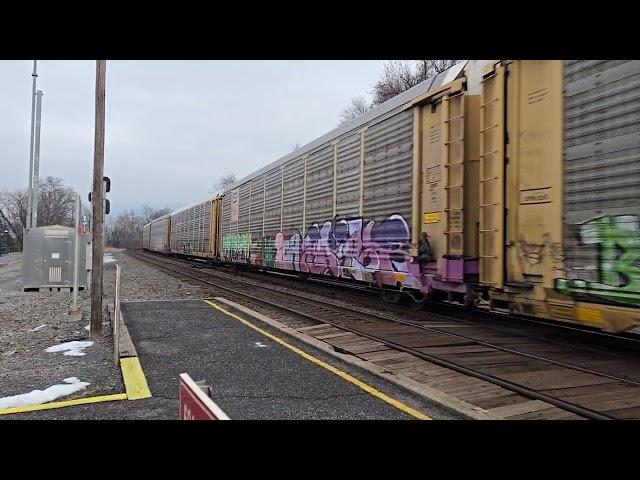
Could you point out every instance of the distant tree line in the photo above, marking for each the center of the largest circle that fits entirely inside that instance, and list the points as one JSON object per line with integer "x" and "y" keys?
{"x": 126, "y": 230}
{"x": 397, "y": 76}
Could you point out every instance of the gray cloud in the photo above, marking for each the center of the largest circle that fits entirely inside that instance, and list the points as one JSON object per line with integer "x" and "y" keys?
{"x": 172, "y": 127}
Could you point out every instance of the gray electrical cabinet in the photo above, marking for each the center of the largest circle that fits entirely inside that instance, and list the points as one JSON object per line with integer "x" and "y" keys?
{"x": 47, "y": 262}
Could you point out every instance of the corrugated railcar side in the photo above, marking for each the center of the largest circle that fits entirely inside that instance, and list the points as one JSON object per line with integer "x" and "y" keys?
{"x": 159, "y": 234}
{"x": 146, "y": 236}
{"x": 193, "y": 230}
{"x": 356, "y": 205}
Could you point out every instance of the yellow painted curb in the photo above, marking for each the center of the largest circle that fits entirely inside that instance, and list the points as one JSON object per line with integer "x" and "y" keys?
{"x": 135, "y": 382}
{"x": 68, "y": 403}
{"x": 367, "y": 388}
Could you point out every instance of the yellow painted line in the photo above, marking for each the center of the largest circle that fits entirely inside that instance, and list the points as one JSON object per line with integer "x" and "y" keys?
{"x": 68, "y": 403}
{"x": 367, "y": 388}
{"x": 135, "y": 382}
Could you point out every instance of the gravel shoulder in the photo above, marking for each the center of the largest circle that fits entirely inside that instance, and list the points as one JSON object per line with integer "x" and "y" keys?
{"x": 25, "y": 365}
{"x": 32, "y": 322}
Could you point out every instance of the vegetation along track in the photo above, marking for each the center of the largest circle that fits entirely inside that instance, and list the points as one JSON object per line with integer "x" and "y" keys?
{"x": 527, "y": 366}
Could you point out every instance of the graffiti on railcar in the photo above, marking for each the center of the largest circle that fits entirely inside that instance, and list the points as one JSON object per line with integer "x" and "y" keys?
{"x": 346, "y": 247}
{"x": 268, "y": 252}
{"x": 342, "y": 247}
{"x": 288, "y": 250}
{"x": 236, "y": 247}
{"x": 617, "y": 239}
{"x": 533, "y": 253}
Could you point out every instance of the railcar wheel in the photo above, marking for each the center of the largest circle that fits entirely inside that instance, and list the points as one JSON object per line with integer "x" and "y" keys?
{"x": 417, "y": 303}
{"x": 471, "y": 301}
{"x": 390, "y": 296}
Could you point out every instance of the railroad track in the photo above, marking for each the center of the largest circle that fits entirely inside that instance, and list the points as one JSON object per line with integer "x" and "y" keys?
{"x": 509, "y": 373}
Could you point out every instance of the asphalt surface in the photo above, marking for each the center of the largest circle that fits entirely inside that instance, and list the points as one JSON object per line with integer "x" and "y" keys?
{"x": 252, "y": 377}
{"x": 6, "y": 259}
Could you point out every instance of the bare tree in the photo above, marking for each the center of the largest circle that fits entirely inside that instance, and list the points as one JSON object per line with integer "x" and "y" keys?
{"x": 401, "y": 75}
{"x": 224, "y": 182}
{"x": 357, "y": 107}
{"x": 56, "y": 203}
{"x": 430, "y": 68}
{"x": 148, "y": 213}
{"x": 13, "y": 211}
{"x": 8, "y": 241}
{"x": 126, "y": 230}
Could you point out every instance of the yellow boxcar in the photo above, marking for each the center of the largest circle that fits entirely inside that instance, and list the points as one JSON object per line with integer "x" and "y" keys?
{"x": 560, "y": 190}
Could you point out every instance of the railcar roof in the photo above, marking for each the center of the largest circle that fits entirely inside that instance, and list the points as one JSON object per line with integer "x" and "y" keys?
{"x": 387, "y": 108}
{"x": 395, "y": 103}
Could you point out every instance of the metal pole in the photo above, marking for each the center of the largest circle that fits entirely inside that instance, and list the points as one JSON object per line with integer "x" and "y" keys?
{"x": 36, "y": 160}
{"x": 76, "y": 248}
{"x": 75, "y": 312}
{"x": 97, "y": 200}
{"x": 34, "y": 75}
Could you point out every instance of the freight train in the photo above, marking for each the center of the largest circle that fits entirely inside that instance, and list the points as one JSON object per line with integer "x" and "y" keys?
{"x": 513, "y": 185}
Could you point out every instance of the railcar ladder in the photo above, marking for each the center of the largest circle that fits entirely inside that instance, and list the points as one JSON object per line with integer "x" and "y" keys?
{"x": 491, "y": 231}
{"x": 453, "y": 130}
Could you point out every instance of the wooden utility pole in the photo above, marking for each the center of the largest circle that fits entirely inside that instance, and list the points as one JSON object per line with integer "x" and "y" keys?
{"x": 97, "y": 199}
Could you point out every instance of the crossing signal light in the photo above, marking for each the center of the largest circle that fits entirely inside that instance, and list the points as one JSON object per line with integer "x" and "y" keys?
{"x": 107, "y": 188}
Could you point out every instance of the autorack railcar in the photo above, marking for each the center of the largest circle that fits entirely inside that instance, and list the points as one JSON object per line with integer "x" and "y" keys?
{"x": 511, "y": 183}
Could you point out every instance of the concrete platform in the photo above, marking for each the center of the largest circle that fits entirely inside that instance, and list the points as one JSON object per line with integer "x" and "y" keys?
{"x": 251, "y": 375}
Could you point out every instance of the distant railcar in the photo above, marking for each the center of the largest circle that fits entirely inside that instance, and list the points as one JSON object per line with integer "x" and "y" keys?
{"x": 146, "y": 236}
{"x": 193, "y": 230}
{"x": 159, "y": 234}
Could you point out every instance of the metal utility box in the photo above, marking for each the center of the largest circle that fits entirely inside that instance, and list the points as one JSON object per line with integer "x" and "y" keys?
{"x": 48, "y": 259}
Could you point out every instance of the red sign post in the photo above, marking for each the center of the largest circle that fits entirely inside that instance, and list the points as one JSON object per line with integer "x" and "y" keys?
{"x": 194, "y": 404}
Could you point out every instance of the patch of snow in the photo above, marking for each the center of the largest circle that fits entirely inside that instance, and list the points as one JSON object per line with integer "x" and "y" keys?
{"x": 38, "y": 328}
{"x": 107, "y": 258}
{"x": 38, "y": 397}
{"x": 87, "y": 327}
{"x": 73, "y": 349}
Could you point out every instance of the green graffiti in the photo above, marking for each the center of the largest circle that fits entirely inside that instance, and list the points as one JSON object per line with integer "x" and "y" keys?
{"x": 236, "y": 247}
{"x": 618, "y": 242}
{"x": 268, "y": 252}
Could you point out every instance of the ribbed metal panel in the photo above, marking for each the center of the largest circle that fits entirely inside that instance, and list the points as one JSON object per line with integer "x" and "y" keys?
{"x": 55, "y": 274}
{"x": 272, "y": 203}
{"x": 226, "y": 214}
{"x": 159, "y": 232}
{"x": 388, "y": 160}
{"x": 146, "y": 235}
{"x": 578, "y": 69}
{"x": 257, "y": 199}
{"x": 243, "y": 216}
{"x": 190, "y": 230}
{"x": 293, "y": 196}
{"x": 319, "y": 198}
{"x": 348, "y": 177}
{"x": 602, "y": 155}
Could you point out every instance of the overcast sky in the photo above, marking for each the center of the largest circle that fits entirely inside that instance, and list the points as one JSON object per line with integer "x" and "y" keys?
{"x": 172, "y": 127}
